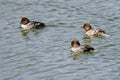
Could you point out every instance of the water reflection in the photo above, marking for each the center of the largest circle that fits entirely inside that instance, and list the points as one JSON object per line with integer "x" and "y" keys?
{"x": 77, "y": 56}
{"x": 26, "y": 31}
{"x": 87, "y": 40}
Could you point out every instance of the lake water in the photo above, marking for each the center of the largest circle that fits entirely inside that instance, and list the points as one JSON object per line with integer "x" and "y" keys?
{"x": 44, "y": 54}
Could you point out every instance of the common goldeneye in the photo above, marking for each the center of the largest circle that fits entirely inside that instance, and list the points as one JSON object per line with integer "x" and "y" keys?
{"x": 27, "y": 24}
{"x": 76, "y": 47}
{"x": 93, "y": 31}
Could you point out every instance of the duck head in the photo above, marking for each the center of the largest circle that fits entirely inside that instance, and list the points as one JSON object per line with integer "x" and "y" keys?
{"x": 24, "y": 20}
{"x": 75, "y": 43}
{"x": 87, "y": 26}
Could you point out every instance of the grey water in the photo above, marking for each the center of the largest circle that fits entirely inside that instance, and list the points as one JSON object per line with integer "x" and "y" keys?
{"x": 44, "y": 54}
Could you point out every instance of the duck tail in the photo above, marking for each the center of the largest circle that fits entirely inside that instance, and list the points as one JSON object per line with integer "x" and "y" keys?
{"x": 95, "y": 50}
{"x": 103, "y": 34}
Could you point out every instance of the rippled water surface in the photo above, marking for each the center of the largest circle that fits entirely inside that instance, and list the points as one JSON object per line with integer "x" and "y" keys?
{"x": 44, "y": 54}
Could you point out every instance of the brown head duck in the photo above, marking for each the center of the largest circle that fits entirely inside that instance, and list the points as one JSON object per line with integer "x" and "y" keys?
{"x": 27, "y": 24}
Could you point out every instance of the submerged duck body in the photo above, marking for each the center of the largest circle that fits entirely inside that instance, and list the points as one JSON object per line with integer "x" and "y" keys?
{"x": 76, "y": 47}
{"x": 27, "y": 24}
{"x": 93, "y": 31}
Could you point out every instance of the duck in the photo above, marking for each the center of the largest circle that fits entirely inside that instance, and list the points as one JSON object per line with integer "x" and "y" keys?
{"x": 77, "y": 47}
{"x": 96, "y": 32}
{"x": 27, "y": 24}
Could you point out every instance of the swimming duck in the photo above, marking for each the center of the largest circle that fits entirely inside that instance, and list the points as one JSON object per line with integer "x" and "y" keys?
{"x": 93, "y": 31}
{"x": 76, "y": 47}
{"x": 27, "y": 24}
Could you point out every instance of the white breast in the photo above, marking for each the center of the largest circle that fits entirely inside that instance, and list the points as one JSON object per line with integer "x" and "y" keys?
{"x": 27, "y": 26}
{"x": 24, "y": 26}
{"x": 90, "y": 32}
{"x": 77, "y": 49}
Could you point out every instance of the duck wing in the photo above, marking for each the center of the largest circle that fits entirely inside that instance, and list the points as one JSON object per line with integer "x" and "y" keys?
{"x": 100, "y": 30}
{"x": 38, "y": 25}
{"x": 87, "y": 48}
